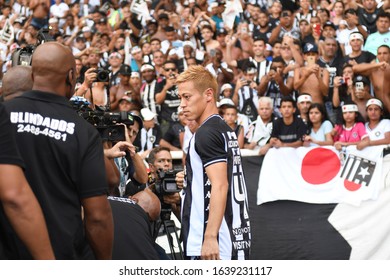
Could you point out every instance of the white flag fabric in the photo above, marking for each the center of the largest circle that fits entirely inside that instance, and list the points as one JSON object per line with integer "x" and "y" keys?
{"x": 140, "y": 8}
{"x": 232, "y": 9}
{"x": 317, "y": 175}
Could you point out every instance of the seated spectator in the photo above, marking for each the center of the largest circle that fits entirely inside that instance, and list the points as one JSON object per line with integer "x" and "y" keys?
{"x": 229, "y": 114}
{"x": 303, "y": 103}
{"x": 378, "y": 129}
{"x": 319, "y": 127}
{"x": 260, "y": 130}
{"x": 289, "y": 130}
{"x": 351, "y": 130}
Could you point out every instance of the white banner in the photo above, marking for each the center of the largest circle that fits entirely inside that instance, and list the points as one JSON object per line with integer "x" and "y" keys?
{"x": 233, "y": 8}
{"x": 317, "y": 175}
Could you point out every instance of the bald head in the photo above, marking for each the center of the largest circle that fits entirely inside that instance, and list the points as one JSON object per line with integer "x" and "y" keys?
{"x": 149, "y": 202}
{"x": 16, "y": 81}
{"x": 53, "y": 69}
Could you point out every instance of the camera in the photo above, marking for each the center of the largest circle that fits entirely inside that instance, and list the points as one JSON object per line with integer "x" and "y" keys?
{"x": 105, "y": 122}
{"x": 22, "y": 56}
{"x": 102, "y": 75}
{"x": 166, "y": 183}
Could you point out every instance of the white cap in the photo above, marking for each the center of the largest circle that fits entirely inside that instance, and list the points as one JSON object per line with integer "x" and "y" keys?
{"x": 225, "y": 101}
{"x": 374, "y": 101}
{"x": 86, "y": 29}
{"x": 53, "y": 20}
{"x": 226, "y": 86}
{"x": 147, "y": 115}
{"x": 188, "y": 43}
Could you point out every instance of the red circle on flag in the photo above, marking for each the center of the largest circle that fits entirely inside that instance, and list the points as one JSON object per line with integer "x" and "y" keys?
{"x": 319, "y": 166}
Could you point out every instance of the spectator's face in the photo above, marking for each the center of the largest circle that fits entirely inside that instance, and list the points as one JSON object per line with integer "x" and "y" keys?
{"x": 93, "y": 58}
{"x": 221, "y": 40}
{"x": 163, "y": 22}
{"x": 338, "y": 8}
{"x": 303, "y": 107}
{"x": 207, "y": 34}
{"x": 163, "y": 160}
{"x": 126, "y": 12}
{"x": 263, "y": 19}
{"x": 158, "y": 58}
{"x": 287, "y": 109}
{"x": 135, "y": 82}
{"x": 119, "y": 43}
{"x": 314, "y": 54}
{"x": 374, "y": 112}
{"x": 258, "y": 48}
{"x": 96, "y": 17}
{"x": 276, "y": 49}
{"x": 149, "y": 75}
{"x": 328, "y": 32}
{"x": 191, "y": 61}
{"x": 152, "y": 28}
{"x": 227, "y": 92}
{"x": 169, "y": 69}
{"x": 125, "y": 106}
{"x": 356, "y": 44}
{"x": 315, "y": 115}
{"x": 286, "y": 19}
{"x": 330, "y": 48}
{"x": 305, "y": 4}
{"x": 383, "y": 54}
{"x": 383, "y": 24}
{"x": 369, "y": 4}
{"x": 276, "y": 7}
{"x": 362, "y": 93}
{"x": 304, "y": 27}
{"x": 286, "y": 52}
{"x": 171, "y": 36}
{"x": 323, "y": 16}
{"x": 348, "y": 73}
{"x": 230, "y": 116}
{"x": 314, "y": 21}
{"x": 146, "y": 49}
{"x": 79, "y": 65}
{"x": 264, "y": 111}
{"x": 149, "y": 124}
{"x": 155, "y": 45}
{"x": 132, "y": 131}
{"x": 137, "y": 55}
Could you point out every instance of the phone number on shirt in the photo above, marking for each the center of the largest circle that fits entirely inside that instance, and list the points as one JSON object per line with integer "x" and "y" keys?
{"x": 37, "y": 131}
{"x": 242, "y": 270}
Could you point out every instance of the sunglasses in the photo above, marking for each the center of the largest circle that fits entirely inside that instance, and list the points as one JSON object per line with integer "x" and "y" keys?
{"x": 170, "y": 69}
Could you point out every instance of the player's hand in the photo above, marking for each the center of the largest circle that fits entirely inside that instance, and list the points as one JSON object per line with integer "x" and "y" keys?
{"x": 210, "y": 249}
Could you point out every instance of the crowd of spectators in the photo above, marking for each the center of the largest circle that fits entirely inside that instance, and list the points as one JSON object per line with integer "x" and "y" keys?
{"x": 289, "y": 73}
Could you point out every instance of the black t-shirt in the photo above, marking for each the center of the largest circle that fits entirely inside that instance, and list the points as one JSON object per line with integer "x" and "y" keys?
{"x": 64, "y": 161}
{"x": 172, "y": 135}
{"x": 132, "y": 231}
{"x": 368, "y": 19}
{"x": 171, "y": 102}
{"x": 289, "y": 133}
{"x": 364, "y": 57}
{"x": 9, "y": 155}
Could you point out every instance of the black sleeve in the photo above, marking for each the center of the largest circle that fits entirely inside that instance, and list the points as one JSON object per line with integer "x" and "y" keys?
{"x": 301, "y": 129}
{"x": 9, "y": 152}
{"x": 276, "y": 128}
{"x": 210, "y": 145}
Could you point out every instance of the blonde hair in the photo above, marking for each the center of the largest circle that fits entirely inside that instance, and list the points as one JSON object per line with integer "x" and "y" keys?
{"x": 201, "y": 78}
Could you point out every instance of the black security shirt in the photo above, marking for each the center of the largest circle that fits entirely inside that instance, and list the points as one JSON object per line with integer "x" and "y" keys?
{"x": 63, "y": 155}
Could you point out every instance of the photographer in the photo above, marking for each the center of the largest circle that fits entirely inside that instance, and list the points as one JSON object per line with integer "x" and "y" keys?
{"x": 160, "y": 158}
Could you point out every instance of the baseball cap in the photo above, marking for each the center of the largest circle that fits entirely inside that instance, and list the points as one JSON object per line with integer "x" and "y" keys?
{"x": 225, "y": 101}
{"x": 147, "y": 115}
{"x": 226, "y": 86}
{"x": 125, "y": 70}
{"x": 188, "y": 43}
{"x": 221, "y": 31}
{"x": 309, "y": 47}
{"x": 126, "y": 98}
{"x": 86, "y": 29}
{"x": 360, "y": 78}
{"x": 163, "y": 16}
{"x": 330, "y": 24}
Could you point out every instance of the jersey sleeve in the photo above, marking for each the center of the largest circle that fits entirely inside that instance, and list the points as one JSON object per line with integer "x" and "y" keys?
{"x": 210, "y": 145}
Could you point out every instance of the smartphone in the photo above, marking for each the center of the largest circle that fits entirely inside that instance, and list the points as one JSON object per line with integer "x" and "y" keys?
{"x": 311, "y": 60}
{"x": 213, "y": 52}
{"x": 317, "y": 29}
{"x": 359, "y": 86}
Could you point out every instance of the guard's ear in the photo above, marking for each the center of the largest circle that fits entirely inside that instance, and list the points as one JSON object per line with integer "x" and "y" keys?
{"x": 69, "y": 77}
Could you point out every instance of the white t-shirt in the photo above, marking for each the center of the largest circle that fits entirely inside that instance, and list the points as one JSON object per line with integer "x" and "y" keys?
{"x": 379, "y": 131}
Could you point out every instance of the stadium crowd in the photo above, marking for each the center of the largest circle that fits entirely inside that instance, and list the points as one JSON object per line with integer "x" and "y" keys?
{"x": 289, "y": 73}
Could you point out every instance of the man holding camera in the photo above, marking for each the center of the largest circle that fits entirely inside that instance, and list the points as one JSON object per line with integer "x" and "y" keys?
{"x": 64, "y": 158}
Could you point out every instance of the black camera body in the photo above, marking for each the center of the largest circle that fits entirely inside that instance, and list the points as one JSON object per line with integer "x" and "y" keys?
{"x": 105, "y": 122}
{"x": 166, "y": 182}
{"x": 102, "y": 75}
{"x": 23, "y": 56}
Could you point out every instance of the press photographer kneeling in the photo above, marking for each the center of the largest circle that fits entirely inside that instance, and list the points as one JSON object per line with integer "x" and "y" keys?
{"x": 162, "y": 181}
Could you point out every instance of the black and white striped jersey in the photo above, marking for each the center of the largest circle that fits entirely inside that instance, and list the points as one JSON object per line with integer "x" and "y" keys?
{"x": 215, "y": 142}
